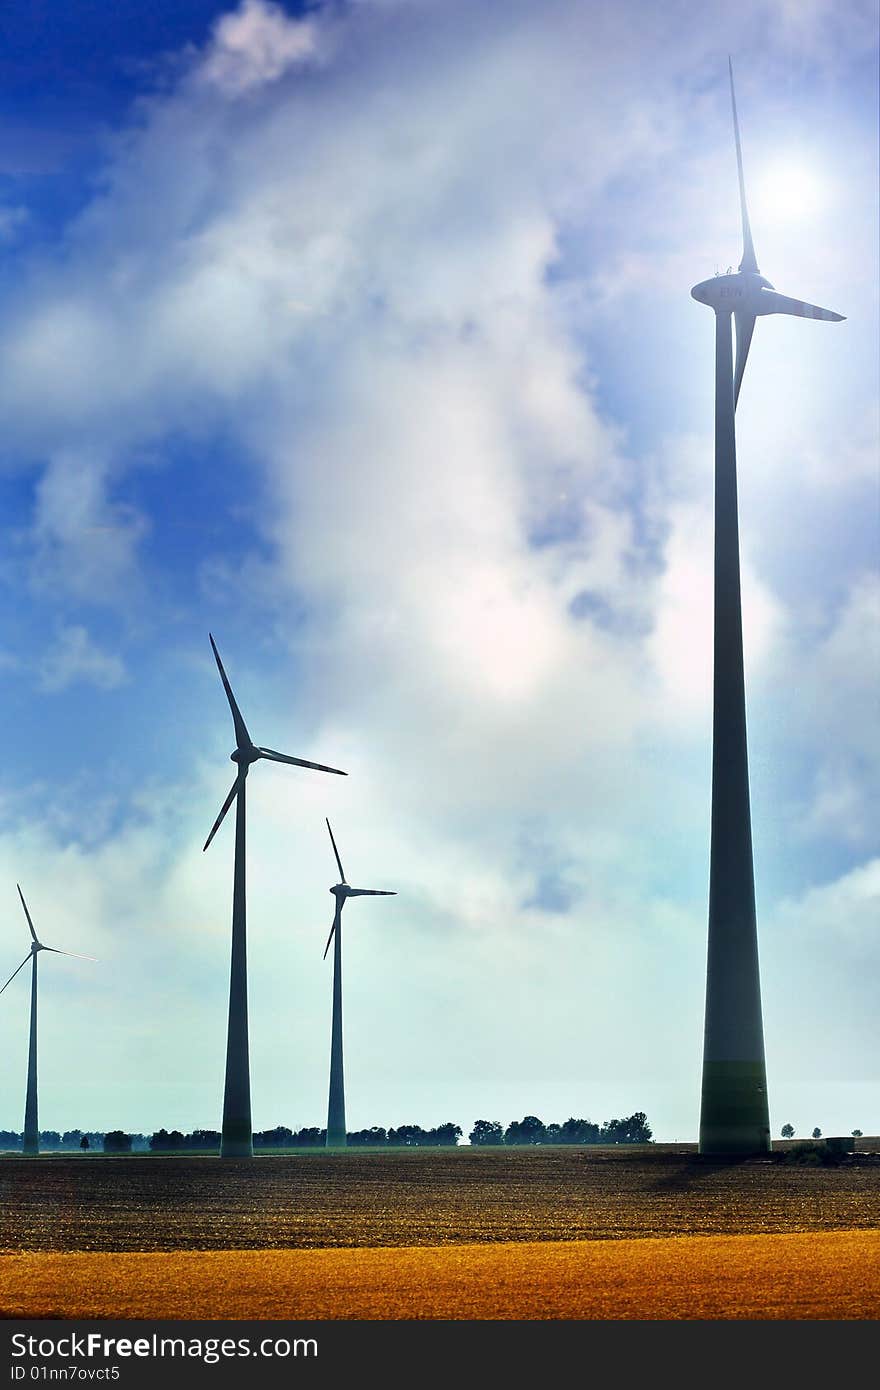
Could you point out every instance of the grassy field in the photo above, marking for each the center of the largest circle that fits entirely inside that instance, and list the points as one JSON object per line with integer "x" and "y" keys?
{"x": 433, "y": 1233}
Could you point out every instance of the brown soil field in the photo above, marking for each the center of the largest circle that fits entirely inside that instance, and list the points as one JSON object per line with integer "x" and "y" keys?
{"x": 831, "y": 1275}
{"x": 419, "y": 1197}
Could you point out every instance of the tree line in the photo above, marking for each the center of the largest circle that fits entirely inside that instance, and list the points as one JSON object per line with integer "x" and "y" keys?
{"x": 52, "y": 1139}
{"x": 530, "y": 1130}
{"x": 634, "y": 1129}
{"x": 281, "y": 1137}
{"x": 208, "y": 1140}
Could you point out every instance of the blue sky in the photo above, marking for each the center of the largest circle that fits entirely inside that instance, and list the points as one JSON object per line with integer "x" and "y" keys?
{"x": 361, "y": 336}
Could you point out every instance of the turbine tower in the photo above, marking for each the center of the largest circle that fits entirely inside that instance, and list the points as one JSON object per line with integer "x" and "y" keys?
{"x": 336, "y": 1132}
{"x": 734, "y": 1115}
{"x": 237, "y": 1134}
{"x": 31, "y": 1144}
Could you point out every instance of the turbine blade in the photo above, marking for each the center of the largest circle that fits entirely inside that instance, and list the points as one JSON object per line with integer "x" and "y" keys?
{"x": 223, "y": 809}
{"x": 336, "y": 916}
{"x": 372, "y": 893}
{"x": 16, "y": 970}
{"x": 297, "y": 762}
{"x": 242, "y": 737}
{"x": 772, "y": 303}
{"x": 74, "y": 954}
{"x": 745, "y": 326}
{"x": 748, "y": 261}
{"x": 336, "y": 852}
{"x": 27, "y": 914}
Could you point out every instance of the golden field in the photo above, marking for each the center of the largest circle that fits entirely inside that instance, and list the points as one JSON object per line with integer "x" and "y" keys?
{"x": 832, "y": 1274}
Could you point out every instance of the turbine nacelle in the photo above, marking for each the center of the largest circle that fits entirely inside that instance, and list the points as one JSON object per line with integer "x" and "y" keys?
{"x": 741, "y": 291}
{"x": 247, "y": 752}
{"x": 245, "y": 756}
{"x": 751, "y": 296}
{"x": 37, "y": 945}
{"x": 746, "y": 295}
{"x": 341, "y": 891}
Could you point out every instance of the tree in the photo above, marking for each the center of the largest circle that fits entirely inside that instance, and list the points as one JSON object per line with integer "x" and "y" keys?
{"x": 857, "y": 1134}
{"x": 162, "y": 1140}
{"x": 117, "y": 1142}
{"x": 528, "y": 1130}
{"x": 84, "y": 1143}
{"x": 787, "y": 1131}
{"x": 639, "y": 1129}
{"x": 311, "y": 1138}
{"x": 578, "y": 1132}
{"x": 374, "y": 1137}
{"x": 448, "y": 1134}
{"x": 278, "y": 1138}
{"x": 633, "y": 1130}
{"x": 817, "y": 1133}
{"x": 203, "y": 1139}
{"x": 486, "y": 1132}
{"x": 407, "y": 1136}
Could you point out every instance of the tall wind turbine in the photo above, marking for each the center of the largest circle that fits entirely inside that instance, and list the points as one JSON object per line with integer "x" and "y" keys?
{"x": 336, "y": 1132}
{"x": 237, "y": 1134}
{"x": 734, "y": 1116}
{"x": 31, "y": 1145}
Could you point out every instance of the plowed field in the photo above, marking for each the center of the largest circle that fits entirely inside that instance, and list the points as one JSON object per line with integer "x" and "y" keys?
{"x": 418, "y": 1197}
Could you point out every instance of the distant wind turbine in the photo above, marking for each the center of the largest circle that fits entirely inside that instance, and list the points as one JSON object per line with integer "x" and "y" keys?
{"x": 336, "y": 1132}
{"x": 237, "y": 1134}
{"x": 31, "y": 1144}
{"x": 734, "y": 1117}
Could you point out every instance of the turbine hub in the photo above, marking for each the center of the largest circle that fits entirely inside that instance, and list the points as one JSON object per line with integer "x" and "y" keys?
{"x": 729, "y": 292}
{"x": 245, "y": 756}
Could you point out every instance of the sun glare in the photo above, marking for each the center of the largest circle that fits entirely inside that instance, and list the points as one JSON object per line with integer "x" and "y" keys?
{"x": 787, "y": 190}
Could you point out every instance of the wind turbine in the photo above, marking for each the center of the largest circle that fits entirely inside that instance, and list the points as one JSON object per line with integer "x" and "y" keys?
{"x": 336, "y": 1132}
{"x": 237, "y": 1134}
{"x": 31, "y": 1143}
{"x": 734, "y": 1115}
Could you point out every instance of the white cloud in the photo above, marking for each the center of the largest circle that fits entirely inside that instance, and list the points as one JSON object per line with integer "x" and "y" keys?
{"x": 12, "y": 222}
{"x": 76, "y": 658}
{"x": 255, "y": 44}
{"x": 810, "y": 27}
{"x": 681, "y": 643}
{"x": 84, "y": 545}
{"x": 820, "y": 955}
{"x": 830, "y": 679}
{"x": 845, "y": 913}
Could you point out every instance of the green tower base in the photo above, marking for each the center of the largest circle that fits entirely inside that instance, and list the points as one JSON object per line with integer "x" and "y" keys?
{"x": 734, "y": 1115}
